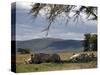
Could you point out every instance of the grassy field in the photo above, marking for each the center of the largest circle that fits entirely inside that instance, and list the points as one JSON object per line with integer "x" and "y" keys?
{"x": 20, "y": 67}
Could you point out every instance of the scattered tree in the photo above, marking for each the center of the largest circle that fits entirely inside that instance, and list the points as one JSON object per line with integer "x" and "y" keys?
{"x": 94, "y": 42}
{"x": 24, "y": 51}
{"x": 90, "y": 42}
{"x": 87, "y": 42}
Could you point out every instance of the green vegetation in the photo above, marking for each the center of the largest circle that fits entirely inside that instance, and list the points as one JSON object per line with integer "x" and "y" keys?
{"x": 53, "y": 66}
{"x": 20, "y": 67}
{"x": 24, "y": 51}
{"x": 90, "y": 42}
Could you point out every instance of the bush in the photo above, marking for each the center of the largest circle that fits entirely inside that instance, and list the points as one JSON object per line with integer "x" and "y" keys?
{"x": 24, "y": 51}
{"x": 90, "y": 42}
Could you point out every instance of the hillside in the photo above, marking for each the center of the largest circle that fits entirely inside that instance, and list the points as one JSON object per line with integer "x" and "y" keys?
{"x": 45, "y": 44}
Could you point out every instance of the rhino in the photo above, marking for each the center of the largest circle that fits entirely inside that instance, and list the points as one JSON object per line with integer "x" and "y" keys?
{"x": 55, "y": 58}
{"x": 38, "y": 58}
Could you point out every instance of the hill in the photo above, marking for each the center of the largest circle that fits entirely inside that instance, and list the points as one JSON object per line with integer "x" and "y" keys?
{"x": 52, "y": 44}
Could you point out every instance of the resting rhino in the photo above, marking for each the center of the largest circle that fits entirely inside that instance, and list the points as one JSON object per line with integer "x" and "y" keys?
{"x": 43, "y": 57}
{"x": 55, "y": 58}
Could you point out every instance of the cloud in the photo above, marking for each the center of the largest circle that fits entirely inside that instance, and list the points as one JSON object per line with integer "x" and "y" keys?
{"x": 28, "y": 28}
{"x": 31, "y": 35}
{"x": 69, "y": 35}
{"x": 23, "y": 5}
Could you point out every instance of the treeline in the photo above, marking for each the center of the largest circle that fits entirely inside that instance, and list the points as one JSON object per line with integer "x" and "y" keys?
{"x": 90, "y": 42}
{"x": 24, "y": 50}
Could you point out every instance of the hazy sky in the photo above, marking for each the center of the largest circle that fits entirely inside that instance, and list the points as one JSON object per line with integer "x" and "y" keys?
{"x": 28, "y": 28}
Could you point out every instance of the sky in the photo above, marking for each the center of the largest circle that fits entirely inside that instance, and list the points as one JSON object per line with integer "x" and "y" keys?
{"x": 28, "y": 28}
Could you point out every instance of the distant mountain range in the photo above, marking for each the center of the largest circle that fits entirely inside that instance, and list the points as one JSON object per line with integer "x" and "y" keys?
{"x": 50, "y": 44}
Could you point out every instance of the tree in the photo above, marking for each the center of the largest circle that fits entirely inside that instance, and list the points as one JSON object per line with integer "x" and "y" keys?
{"x": 53, "y": 11}
{"x": 90, "y": 42}
{"x": 24, "y": 51}
{"x": 86, "y": 43}
{"x": 94, "y": 42}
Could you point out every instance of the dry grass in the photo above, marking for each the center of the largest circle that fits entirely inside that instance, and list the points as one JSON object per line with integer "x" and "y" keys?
{"x": 52, "y": 66}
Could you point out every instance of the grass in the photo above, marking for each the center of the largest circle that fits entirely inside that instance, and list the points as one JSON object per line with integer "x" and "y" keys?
{"x": 20, "y": 67}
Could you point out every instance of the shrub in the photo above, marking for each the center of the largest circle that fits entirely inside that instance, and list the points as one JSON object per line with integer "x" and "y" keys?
{"x": 24, "y": 51}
